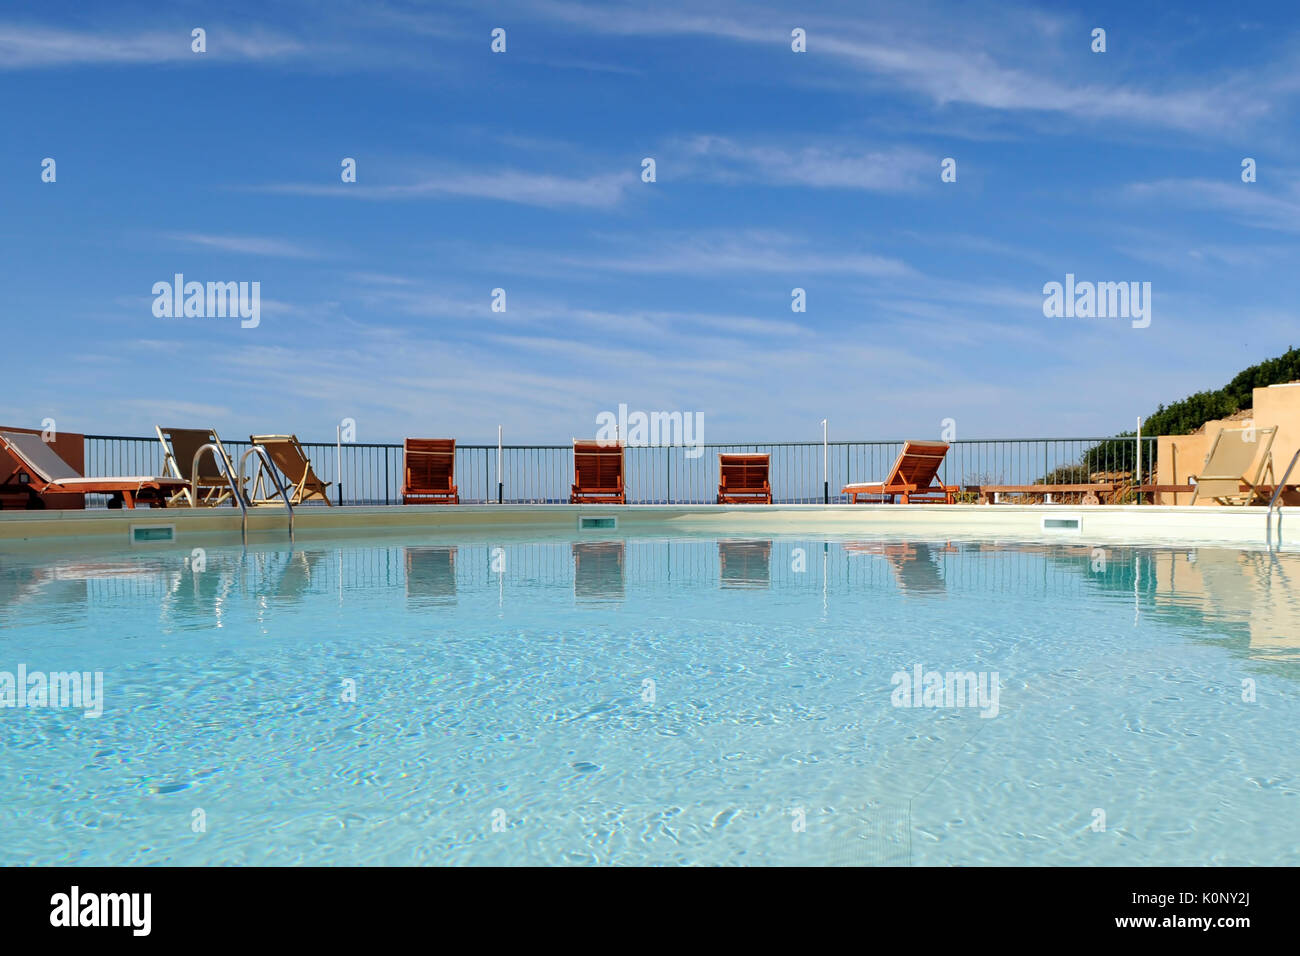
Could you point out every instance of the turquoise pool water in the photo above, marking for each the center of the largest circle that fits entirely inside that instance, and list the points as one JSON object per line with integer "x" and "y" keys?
{"x": 655, "y": 701}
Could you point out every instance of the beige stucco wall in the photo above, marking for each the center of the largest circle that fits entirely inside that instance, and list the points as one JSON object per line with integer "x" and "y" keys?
{"x": 1180, "y": 456}
{"x": 1251, "y": 588}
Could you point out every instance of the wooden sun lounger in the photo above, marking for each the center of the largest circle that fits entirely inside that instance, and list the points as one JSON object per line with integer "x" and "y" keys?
{"x": 211, "y": 485}
{"x": 911, "y": 479}
{"x": 597, "y": 473}
{"x": 743, "y": 479}
{"x": 287, "y": 454}
{"x": 44, "y": 471}
{"x": 429, "y": 471}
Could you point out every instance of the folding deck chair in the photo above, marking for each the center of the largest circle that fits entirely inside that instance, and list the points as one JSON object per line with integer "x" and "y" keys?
{"x": 210, "y": 485}
{"x": 287, "y": 454}
{"x": 1227, "y": 466}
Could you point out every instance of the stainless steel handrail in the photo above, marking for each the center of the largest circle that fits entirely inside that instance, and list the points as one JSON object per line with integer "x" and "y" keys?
{"x": 1277, "y": 493}
{"x": 220, "y": 457}
{"x": 275, "y": 478}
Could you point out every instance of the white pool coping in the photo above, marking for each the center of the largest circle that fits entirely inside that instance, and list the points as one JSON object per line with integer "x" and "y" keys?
{"x": 1167, "y": 525}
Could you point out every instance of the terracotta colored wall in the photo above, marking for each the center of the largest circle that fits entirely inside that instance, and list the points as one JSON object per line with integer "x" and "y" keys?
{"x": 69, "y": 446}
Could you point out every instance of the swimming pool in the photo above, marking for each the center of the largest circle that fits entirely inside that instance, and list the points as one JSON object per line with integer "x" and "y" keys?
{"x": 647, "y": 699}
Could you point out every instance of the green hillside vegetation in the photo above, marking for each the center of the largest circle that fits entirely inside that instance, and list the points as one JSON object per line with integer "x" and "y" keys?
{"x": 1184, "y": 417}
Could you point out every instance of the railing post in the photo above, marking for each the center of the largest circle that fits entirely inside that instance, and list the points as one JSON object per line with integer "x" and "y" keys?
{"x": 1138, "y": 474}
{"x": 826, "y": 462}
{"x": 338, "y": 459}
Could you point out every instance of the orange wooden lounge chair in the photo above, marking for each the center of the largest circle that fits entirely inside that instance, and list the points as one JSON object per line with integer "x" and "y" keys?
{"x": 43, "y": 471}
{"x": 429, "y": 472}
{"x": 597, "y": 473}
{"x": 742, "y": 480}
{"x": 911, "y": 478}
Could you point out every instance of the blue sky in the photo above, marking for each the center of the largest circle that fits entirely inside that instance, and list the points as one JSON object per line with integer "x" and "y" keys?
{"x": 522, "y": 171}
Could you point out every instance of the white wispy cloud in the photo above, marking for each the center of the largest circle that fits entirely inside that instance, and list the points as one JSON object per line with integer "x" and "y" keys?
{"x": 248, "y": 245}
{"x": 601, "y": 191}
{"x": 33, "y": 47}
{"x": 973, "y": 77}
{"x": 949, "y": 58}
{"x": 823, "y": 166}
{"x": 1250, "y": 203}
{"x": 738, "y": 251}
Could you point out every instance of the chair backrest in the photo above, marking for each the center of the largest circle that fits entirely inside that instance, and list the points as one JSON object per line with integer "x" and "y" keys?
{"x": 1234, "y": 450}
{"x": 743, "y": 471}
{"x": 430, "y": 463}
{"x": 286, "y": 452}
{"x": 35, "y": 454}
{"x": 918, "y": 463}
{"x": 180, "y": 446}
{"x": 597, "y": 464}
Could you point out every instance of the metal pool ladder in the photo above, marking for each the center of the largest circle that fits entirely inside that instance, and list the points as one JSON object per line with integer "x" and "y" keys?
{"x": 236, "y": 486}
{"x": 1272, "y": 502}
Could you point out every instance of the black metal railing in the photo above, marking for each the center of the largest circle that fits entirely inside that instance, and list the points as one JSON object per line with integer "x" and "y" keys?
{"x": 372, "y": 473}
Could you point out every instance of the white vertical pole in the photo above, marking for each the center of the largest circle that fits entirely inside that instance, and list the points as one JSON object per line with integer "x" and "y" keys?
{"x": 826, "y": 480}
{"x": 338, "y": 458}
{"x": 499, "y": 476}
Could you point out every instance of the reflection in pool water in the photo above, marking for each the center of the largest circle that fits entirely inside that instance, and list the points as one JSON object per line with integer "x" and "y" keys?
{"x": 656, "y": 700}
{"x": 598, "y": 570}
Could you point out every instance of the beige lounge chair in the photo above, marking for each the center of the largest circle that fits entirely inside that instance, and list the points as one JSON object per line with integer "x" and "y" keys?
{"x": 1228, "y": 466}
{"x": 287, "y": 454}
{"x": 210, "y": 486}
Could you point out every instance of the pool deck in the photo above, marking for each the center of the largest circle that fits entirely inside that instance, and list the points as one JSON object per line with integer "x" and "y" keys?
{"x": 1131, "y": 524}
